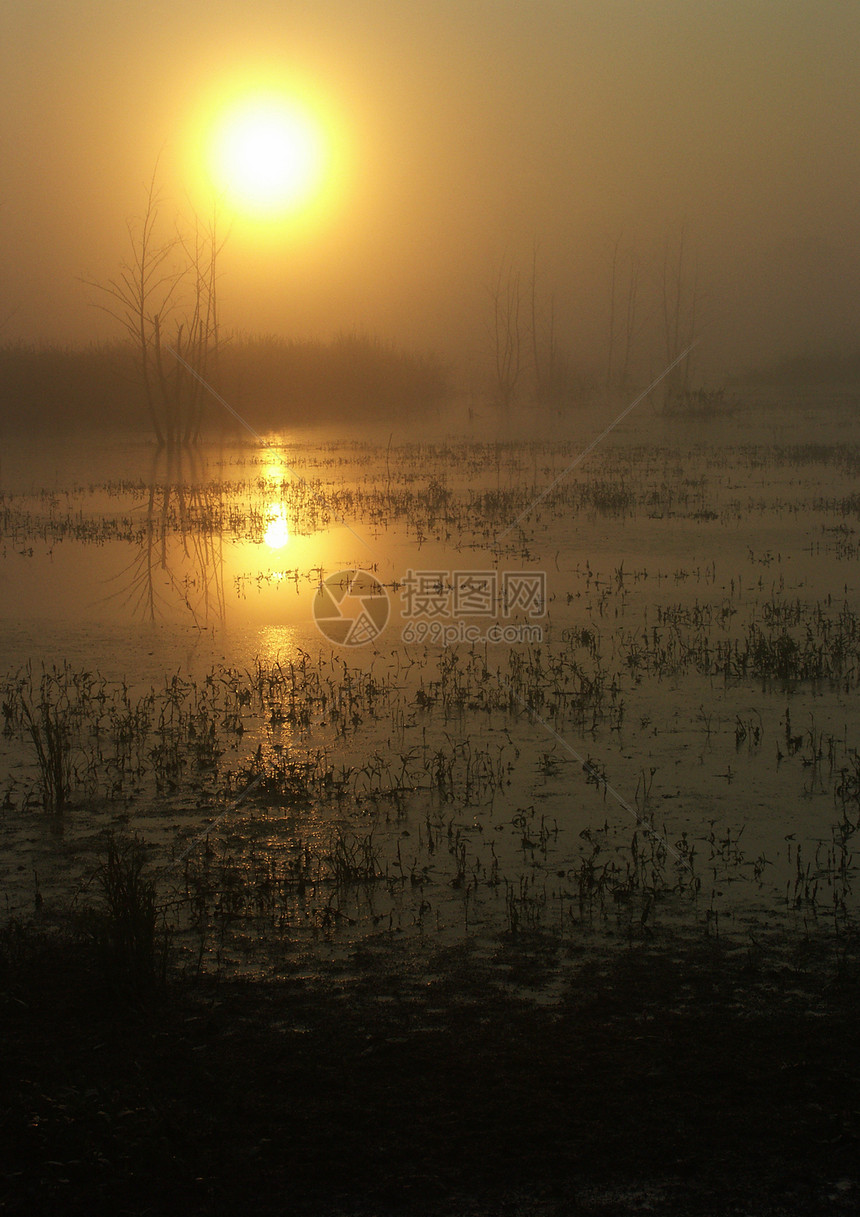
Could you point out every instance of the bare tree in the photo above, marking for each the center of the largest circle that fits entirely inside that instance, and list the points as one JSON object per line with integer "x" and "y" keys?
{"x": 680, "y": 301}
{"x": 623, "y": 327}
{"x": 613, "y": 280}
{"x": 630, "y": 318}
{"x": 4, "y": 321}
{"x": 544, "y": 342}
{"x": 165, "y": 298}
{"x": 507, "y": 340}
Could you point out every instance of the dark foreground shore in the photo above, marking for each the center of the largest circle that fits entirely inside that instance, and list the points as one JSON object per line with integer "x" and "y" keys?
{"x": 672, "y": 1078}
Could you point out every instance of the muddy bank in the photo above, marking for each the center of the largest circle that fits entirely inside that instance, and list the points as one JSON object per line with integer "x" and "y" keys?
{"x": 677, "y": 1076}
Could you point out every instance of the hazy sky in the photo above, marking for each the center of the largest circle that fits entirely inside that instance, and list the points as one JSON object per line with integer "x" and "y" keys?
{"x": 465, "y": 133}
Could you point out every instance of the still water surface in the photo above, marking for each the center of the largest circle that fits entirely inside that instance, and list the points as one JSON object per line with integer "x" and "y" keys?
{"x": 666, "y": 735}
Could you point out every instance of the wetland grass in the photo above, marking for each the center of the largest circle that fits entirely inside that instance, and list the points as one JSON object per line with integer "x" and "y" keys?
{"x": 452, "y": 921}
{"x": 428, "y": 750}
{"x": 125, "y": 928}
{"x": 47, "y": 732}
{"x": 48, "y": 713}
{"x": 326, "y": 819}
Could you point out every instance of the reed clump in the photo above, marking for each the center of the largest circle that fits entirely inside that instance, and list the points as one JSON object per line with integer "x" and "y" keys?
{"x": 125, "y": 926}
{"x": 47, "y": 712}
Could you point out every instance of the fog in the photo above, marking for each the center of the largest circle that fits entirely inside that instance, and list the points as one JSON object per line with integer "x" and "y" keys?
{"x": 429, "y": 624}
{"x": 547, "y": 139}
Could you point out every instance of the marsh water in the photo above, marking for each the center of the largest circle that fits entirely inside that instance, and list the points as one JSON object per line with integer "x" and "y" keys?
{"x": 605, "y": 694}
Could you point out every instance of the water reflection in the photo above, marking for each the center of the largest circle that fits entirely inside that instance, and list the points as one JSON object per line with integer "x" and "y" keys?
{"x": 210, "y": 545}
{"x": 180, "y": 562}
{"x": 277, "y": 532}
{"x": 274, "y": 467}
{"x": 187, "y": 536}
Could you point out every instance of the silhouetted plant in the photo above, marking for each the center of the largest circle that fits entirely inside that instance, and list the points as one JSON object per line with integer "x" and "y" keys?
{"x": 168, "y": 284}
{"x": 45, "y": 725}
{"x": 505, "y": 334}
{"x": 125, "y": 928}
{"x": 681, "y": 300}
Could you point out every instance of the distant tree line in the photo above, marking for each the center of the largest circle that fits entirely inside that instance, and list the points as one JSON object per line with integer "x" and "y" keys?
{"x": 352, "y": 376}
{"x": 653, "y": 314}
{"x": 273, "y": 382}
{"x": 824, "y": 369}
{"x": 174, "y": 361}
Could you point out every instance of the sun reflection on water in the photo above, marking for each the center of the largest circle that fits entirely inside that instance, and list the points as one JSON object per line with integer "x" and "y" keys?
{"x": 277, "y": 532}
{"x": 274, "y": 466}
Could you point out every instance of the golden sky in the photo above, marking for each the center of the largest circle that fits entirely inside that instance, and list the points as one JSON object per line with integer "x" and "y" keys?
{"x": 461, "y": 135}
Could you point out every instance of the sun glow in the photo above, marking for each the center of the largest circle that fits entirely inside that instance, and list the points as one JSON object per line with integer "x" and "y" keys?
{"x": 277, "y": 533}
{"x": 274, "y": 468}
{"x": 267, "y": 156}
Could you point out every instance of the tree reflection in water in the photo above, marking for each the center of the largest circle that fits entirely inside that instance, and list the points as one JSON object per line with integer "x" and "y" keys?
{"x": 180, "y": 563}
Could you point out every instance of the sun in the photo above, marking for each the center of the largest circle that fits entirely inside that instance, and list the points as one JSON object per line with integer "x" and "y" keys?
{"x": 267, "y": 156}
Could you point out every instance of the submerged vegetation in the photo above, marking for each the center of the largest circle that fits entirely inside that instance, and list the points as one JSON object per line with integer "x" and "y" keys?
{"x": 531, "y": 787}
{"x": 402, "y": 790}
{"x": 250, "y": 873}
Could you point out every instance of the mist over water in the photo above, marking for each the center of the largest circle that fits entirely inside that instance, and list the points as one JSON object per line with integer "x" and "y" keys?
{"x": 667, "y": 719}
{"x": 429, "y": 614}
